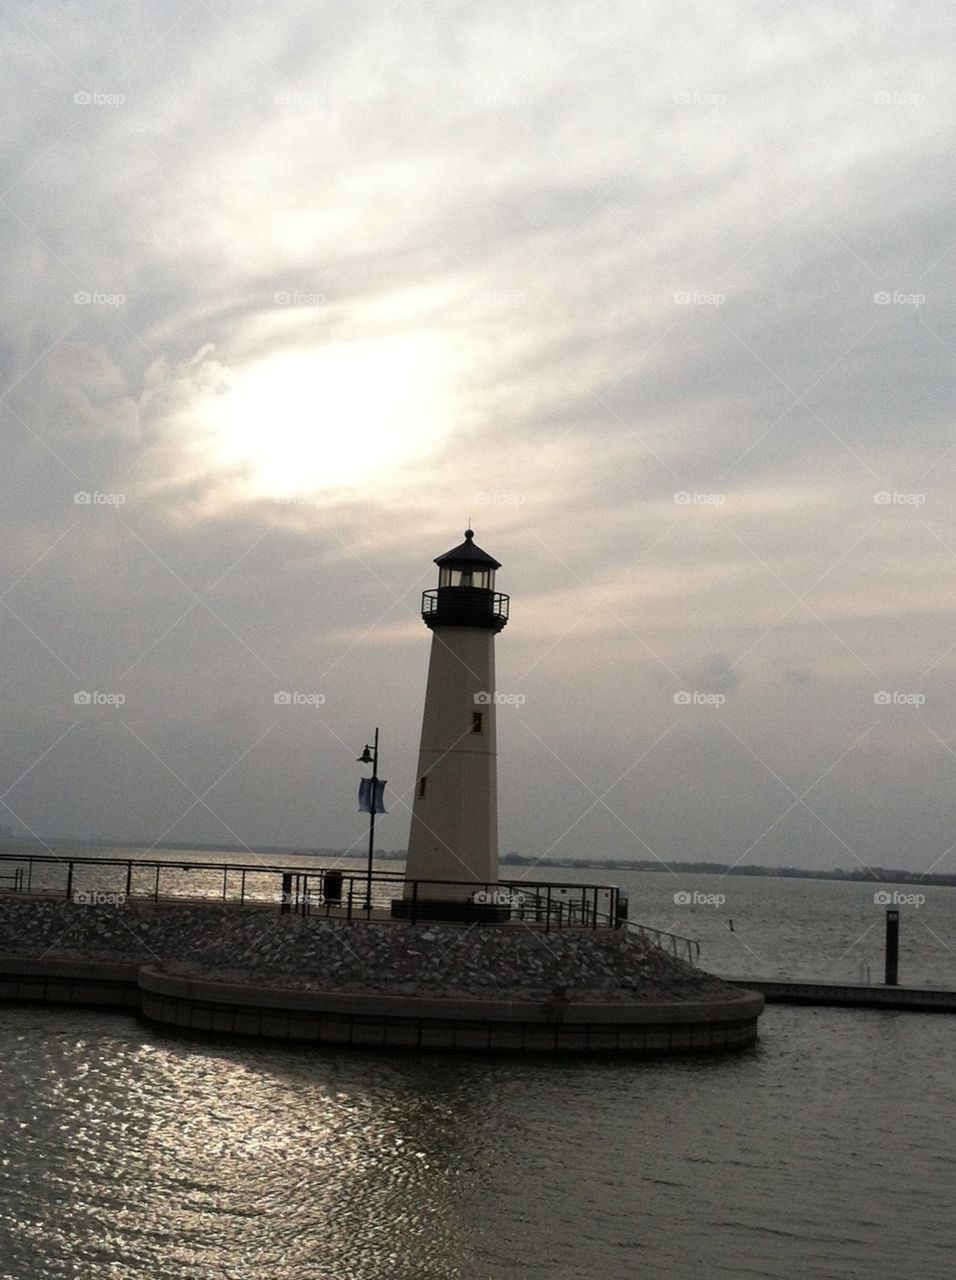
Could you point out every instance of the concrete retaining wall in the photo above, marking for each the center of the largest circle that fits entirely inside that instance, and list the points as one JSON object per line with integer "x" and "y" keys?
{"x": 87, "y": 982}
{"x": 385, "y": 1021}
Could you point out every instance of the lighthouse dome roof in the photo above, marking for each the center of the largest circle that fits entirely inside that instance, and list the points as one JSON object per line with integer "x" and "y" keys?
{"x": 468, "y": 552}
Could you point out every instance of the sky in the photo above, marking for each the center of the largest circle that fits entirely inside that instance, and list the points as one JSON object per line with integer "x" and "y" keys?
{"x": 659, "y": 297}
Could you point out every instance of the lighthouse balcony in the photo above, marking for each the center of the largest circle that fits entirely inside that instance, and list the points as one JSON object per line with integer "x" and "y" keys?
{"x": 465, "y": 607}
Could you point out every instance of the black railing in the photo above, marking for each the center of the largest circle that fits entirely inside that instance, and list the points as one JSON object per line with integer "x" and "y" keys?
{"x": 563, "y": 905}
{"x": 12, "y": 879}
{"x": 330, "y": 891}
{"x": 674, "y": 943}
{"x": 333, "y": 892}
{"x": 465, "y": 606}
{"x": 589, "y": 908}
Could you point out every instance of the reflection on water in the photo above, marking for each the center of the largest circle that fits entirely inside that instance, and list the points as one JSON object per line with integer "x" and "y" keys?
{"x": 133, "y": 1146}
{"x": 148, "y": 873}
{"x": 128, "y": 1152}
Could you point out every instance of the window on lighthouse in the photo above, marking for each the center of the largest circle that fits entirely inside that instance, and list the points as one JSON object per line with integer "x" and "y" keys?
{"x": 467, "y": 577}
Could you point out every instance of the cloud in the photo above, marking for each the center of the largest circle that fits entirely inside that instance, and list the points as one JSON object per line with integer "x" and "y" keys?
{"x": 702, "y": 253}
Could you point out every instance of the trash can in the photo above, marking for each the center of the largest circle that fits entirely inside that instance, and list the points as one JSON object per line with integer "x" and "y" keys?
{"x": 286, "y": 893}
{"x": 621, "y": 908}
{"x": 332, "y": 887}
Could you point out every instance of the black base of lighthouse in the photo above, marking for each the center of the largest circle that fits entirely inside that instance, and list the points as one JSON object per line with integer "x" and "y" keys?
{"x": 461, "y": 911}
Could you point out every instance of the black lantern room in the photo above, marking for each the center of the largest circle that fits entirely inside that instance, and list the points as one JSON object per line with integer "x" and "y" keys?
{"x": 466, "y": 596}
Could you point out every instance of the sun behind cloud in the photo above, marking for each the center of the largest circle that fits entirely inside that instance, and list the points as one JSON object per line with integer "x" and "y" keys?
{"x": 304, "y": 420}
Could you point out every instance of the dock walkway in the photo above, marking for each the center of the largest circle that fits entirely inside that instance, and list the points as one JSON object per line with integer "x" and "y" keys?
{"x": 851, "y": 995}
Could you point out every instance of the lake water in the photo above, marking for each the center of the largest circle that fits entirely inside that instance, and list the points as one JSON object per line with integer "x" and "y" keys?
{"x": 127, "y": 1152}
{"x": 792, "y": 928}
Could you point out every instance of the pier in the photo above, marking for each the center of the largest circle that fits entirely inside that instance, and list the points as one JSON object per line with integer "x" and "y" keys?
{"x": 294, "y": 954}
{"x": 851, "y": 995}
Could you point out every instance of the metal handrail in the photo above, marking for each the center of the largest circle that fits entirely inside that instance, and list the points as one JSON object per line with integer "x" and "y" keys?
{"x": 332, "y": 890}
{"x": 567, "y": 909}
{"x": 472, "y": 598}
{"x": 675, "y": 943}
{"x": 587, "y": 914}
{"x": 309, "y": 890}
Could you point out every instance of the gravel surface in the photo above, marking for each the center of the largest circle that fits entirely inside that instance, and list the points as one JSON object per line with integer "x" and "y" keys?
{"x": 236, "y": 945}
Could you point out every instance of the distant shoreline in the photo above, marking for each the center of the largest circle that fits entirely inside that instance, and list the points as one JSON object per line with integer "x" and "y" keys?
{"x": 512, "y": 861}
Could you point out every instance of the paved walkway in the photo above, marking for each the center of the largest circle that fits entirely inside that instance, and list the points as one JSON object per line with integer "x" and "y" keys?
{"x": 851, "y": 995}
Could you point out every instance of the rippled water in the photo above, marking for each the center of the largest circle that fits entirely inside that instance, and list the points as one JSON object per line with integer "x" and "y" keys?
{"x": 825, "y": 1152}
{"x": 796, "y": 928}
{"x": 128, "y": 1152}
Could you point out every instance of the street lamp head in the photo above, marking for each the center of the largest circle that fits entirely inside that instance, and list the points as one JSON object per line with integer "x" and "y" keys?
{"x": 366, "y": 757}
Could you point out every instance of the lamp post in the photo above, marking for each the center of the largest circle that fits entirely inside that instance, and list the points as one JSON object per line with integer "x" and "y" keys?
{"x": 370, "y": 756}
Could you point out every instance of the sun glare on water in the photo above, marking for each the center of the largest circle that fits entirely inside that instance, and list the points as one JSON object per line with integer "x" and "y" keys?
{"x": 336, "y": 416}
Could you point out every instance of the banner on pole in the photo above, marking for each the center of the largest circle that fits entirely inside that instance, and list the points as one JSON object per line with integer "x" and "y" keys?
{"x": 365, "y": 796}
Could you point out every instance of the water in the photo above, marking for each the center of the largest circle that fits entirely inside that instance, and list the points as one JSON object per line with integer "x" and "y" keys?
{"x": 129, "y": 1153}
{"x": 792, "y": 928}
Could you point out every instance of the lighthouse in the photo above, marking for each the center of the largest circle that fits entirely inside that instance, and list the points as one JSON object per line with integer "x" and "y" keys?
{"x": 453, "y": 842}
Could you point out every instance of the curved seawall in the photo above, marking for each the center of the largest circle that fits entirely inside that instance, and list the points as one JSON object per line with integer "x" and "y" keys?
{"x": 386, "y": 1021}
{"x": 216, "y": 968}
{"x": 435, "y": 1023}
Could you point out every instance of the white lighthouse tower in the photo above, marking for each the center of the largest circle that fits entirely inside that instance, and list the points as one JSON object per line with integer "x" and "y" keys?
{"x": 453, "y": 841}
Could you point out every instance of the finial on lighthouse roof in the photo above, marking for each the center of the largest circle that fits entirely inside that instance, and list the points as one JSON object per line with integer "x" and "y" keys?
{"x": 468, "y": 552}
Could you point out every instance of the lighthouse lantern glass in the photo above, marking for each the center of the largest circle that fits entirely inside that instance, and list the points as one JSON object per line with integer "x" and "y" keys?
{"x": 466, "y": 576}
